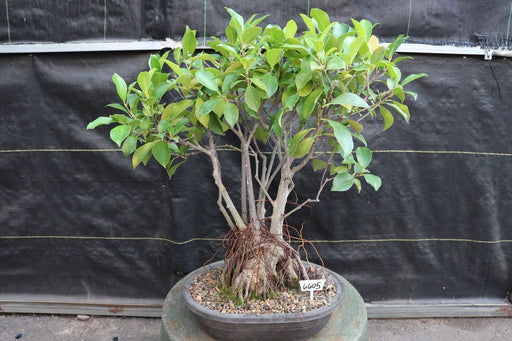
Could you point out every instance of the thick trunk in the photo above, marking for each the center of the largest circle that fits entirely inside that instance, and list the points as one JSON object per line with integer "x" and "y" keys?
{"x": 279, "y": 204}
{"x": 249, "y": 187}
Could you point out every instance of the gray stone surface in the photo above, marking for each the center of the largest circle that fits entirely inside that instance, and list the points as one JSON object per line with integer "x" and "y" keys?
{"x": 69, "y": 328}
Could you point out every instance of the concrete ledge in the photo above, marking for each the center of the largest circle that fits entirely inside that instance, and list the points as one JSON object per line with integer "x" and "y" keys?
{"x": 348, "y": 323}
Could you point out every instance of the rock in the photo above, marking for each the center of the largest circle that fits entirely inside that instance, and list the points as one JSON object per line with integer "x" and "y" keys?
{"x": 83, "y": 317}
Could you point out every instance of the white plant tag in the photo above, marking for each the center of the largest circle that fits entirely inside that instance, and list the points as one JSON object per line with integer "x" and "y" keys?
{"x": 311, "y": 286}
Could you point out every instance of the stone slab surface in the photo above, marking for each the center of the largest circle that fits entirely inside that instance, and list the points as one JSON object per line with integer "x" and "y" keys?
{"x": 348, "y": 323}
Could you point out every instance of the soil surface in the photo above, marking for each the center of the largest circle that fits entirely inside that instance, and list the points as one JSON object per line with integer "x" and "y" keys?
{"x": 206, "y": 290}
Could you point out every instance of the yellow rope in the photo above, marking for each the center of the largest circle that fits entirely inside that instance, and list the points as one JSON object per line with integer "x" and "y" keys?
{"x": 460, "y": 152}
{"x": 57, "y": 150}
{"x": 341, "y": 241}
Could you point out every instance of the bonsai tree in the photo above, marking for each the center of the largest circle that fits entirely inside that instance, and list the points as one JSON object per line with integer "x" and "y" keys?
{"x": 289, "y": 100}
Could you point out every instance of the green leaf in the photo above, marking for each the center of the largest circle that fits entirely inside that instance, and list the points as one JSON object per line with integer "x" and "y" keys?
{"x": 141, "y": 153}
{"x": 296, "y": 139}
{"x": 364, "y": 156}
{"x": 350, "y": 99}
{"x": 174, "y": 109}
{"x": 99, "y": 121}
{"x": 387, "y": 116}
{"x": 173, "y": 169}
{"x": 354, "y": 48}
{"x": 342, "y": 182}
{"x": 252, "y": 98}
{"x": 343, "y": 136}
{"x": 207, "y": 79}
{"x": 378, "y": 55}
{"x": 237, "y": 18}
{"x": 309, "y": 22}
{"x": 292, "y": 100}
{"x": 231, "y": 34}
{"x": 402, "y": 109}
{"x": 413, "y": 77}
{"x": 119, "y": 133}
{"x": 290, "y": 29}
{"x": 129, "y": 145}
{"x": 373, "y": 180}
{"x": 231, "y": 113}
{"x": 335, "y": 63}
{"x": 310, "y": 102}
{"x": 189, "y": 42}
{"x": 270, "y": 83}
{"x": 321, "y": 18}
{"x": 250, "y": 34}
{"x": 121, "y": 87}
{"x": 318, "y": 164}
{"x": 144, "y": 81}
{"x": 304, "y": 147}
{"x": 161, "y": 153}
{"x": 118, "y": 107}
{"x": 208, "y": 106}
{"x": 302, "y": 79}
{"x": 273, "y": 56}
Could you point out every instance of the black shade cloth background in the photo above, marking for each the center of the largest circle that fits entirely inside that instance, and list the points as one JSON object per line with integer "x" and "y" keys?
{"x": 434, "y": 22}
{"x": 78, "y": 223}
{"x": 57, "y": 179}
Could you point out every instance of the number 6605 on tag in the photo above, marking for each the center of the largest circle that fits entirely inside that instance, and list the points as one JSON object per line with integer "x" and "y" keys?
{"x": 312, "y": 285}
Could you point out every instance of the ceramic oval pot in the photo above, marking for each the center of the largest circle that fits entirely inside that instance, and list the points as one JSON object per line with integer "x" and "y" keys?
{"x": 267, "y": 327}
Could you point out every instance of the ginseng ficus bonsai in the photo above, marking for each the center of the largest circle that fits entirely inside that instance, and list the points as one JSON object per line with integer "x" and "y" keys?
{"x": 290, "y": 101}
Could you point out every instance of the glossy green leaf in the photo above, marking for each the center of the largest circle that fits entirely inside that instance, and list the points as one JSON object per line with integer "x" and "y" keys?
{"x": 99, "y": 121}
{"x": 207, "y": 79}
{"x": 161, "y": 153}
{"x": 387, "y": 116}
{"x": 378, "y": 55}
{"x": 189, "y": 42}
{"x": 413, "y": 77}
{"x": 292, "y": 100}
{"x": 141, "y": 153}
{"x": 270, "y": 83}
{"x": 302, "y": 79}
{"x": 231, "y": 114}
{"x": 231, "y": 34}
{"x": 237, "y": 18}
{"x": 350, "y": 99}
{"x": 171, "y": 170}
{"x": 342, "y": 182}
{"x": 321, "y": 18}
{"x": 292, "y": 147}
{"x": 172, "y": 110}
{"x": 252, "y": 98}
{"x": 310, "y": 102}
{"x": 250, "y": 34}
{"x": 303, "y": 147}
{"x": 144, "y": 81}
{"x": 364, "y": 156}
{"x": 208, "y": 106}
{"x": 118, "y": 107}
{"x": 119, "y": 133}
{"x": 129, "y": 145}
{"x": 402, "y": 109}
{"x": 343, "y": 136}
{"x": 121, "y": 87}
{"x": 335, "y": 63}
{"x": 318, "y": 164}
{"x": 373, "y": 180}
{"x": 273, "y": 56}
{"x": 290, "y": 29}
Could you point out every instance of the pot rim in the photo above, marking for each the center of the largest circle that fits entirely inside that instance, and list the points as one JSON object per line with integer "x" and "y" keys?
{"x": 317, "y": 313}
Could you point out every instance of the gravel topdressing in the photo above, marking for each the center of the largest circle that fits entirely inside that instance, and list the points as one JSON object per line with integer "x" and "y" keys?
{"x": 205, "y": 290}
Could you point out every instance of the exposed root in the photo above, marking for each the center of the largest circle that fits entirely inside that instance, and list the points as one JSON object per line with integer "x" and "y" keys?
{"x": 260, "y": 264}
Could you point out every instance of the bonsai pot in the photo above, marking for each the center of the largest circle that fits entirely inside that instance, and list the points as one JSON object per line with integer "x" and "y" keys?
{"x": 268, "y": 327}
